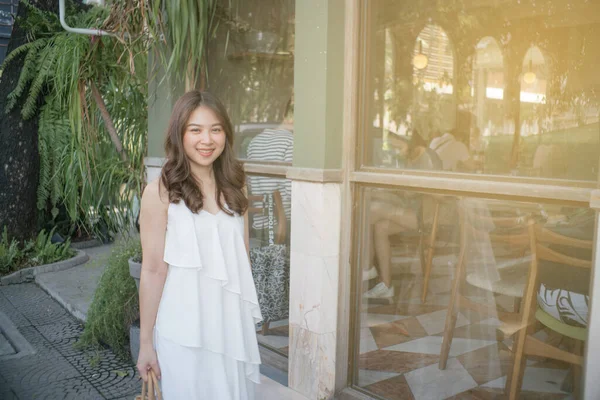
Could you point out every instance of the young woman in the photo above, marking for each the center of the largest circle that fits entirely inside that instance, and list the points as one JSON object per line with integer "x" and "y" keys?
{"x": 198, "y": 304}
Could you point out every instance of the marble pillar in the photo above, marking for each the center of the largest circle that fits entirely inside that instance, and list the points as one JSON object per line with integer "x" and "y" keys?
{"x": 314, "y": 266}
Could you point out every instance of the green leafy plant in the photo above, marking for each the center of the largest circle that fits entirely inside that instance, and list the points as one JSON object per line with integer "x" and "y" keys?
{"x": 92, "y": 120}
{"x": 115, "y": 304}
{"x": 39, "y": 251}
{"x": 43, "y": 251}
{"x": 9, "y": 253}
{"x": 176, "y": 32}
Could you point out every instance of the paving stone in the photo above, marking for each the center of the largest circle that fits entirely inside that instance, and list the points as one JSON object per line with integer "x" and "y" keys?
{"x": 67, "y": 347}
{"x": 35, "y": 304}
{"x": 114, "y": 385}
{"x": 5, "y": 347}
{"x": 39, "y": 343}
{"x": 91, "y": 361}
{"x": 35, "y": 371}
{"x": 12, "y": 313}
{"x": 111, "y": 375}
{"x": 75, "y": 388}
{"x": 6, "y": 392}
{"x": 60, "y": 331}
{"x": 58, "y": 369}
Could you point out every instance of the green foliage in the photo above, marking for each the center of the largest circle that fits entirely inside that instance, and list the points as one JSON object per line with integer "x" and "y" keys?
{"x": 42, "y": 251}
{"x": 186, "y": 40}
{"x": 115, "y": 304}
{"x": 80, "y": 171}
{"x": 178, "y": 32}
{"x": 39, "y": 251}
{"x": 9, "y": 253}
{"x": 53, "y": 146}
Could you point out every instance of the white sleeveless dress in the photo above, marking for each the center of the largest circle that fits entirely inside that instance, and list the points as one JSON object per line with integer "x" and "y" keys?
{"x": 205, "y": 334}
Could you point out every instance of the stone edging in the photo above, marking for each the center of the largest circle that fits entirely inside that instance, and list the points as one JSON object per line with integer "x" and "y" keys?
{"x": 86, "y": 244}
{"x": 28, "y": 274}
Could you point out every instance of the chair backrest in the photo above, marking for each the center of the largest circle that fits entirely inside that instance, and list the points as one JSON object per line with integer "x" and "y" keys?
{"x": 258, "y": 206}
{"x": 543, "y": 239}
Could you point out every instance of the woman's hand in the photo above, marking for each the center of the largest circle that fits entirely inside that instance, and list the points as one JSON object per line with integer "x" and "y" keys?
{"x": 147, "y": 360}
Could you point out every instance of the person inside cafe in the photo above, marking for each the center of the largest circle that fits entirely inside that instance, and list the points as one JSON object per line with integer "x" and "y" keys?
{"x": 392, "y": 213}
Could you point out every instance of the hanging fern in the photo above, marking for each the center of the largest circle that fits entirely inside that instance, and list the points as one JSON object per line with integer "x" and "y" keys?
{"x": 28, "y": 70}
{"x": 80, "y": 171}
{"x": 54, "y": 143}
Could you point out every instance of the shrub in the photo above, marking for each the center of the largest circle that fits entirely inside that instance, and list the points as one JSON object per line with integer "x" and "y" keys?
{"x": 9, "y": 253}
{"x": 115, "y": 303}
{"x": 39, "y": 251}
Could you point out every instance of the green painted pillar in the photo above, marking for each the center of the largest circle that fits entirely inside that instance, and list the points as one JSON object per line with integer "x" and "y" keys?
{"x": 318, "y": 84}
{"x": 162, "y": 94}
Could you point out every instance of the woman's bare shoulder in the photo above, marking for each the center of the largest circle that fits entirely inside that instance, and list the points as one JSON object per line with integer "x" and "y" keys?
{"x": 155, "y": 196}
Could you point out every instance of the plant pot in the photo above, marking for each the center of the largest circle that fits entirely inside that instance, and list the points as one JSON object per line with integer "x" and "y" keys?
{"x": 135, "y": 270}
{"x": 134, "y": 340}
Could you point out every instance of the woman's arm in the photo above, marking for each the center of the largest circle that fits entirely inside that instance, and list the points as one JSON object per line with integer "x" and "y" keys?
{"x": 153, "y": 225}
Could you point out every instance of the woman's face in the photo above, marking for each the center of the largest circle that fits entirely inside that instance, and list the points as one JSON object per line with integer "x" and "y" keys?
{"x": 204, "y": 137}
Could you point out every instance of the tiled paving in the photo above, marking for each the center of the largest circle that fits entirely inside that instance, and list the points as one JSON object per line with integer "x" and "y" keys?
{"x": 57, "y": 370}
{"x": 400, "y": 347}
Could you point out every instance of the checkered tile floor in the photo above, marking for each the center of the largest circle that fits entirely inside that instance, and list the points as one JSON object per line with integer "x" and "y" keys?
{"x": 400, "y": 346}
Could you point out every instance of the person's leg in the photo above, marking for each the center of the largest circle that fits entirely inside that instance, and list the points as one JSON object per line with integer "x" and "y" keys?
{"x": 382, "y": 246}
{"x": 377, "y": 212}
{"x": 398, "y": 220}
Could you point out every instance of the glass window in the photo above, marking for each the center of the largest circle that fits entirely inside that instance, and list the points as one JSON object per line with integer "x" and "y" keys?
{"x": 251, "y": 68}
{"x": 269, "y": 228}
{"x": 487, "y": 87}
{"x": 450, "y": 287}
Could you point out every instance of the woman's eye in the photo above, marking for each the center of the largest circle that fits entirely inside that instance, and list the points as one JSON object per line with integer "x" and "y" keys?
{"x": 216, "y": 130}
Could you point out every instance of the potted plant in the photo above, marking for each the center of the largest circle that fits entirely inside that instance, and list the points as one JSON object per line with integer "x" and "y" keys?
{"x": 115, "y": 309}
{"x": 135, "y": 268}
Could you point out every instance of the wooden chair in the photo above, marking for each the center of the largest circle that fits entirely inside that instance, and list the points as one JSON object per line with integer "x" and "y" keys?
{"x": 428, "y": 238}
{"x": 281, "y": 228}
{"x": 426, "y": 235}
{"x": 544, "y": 249}
{"x": 509, "y": 239}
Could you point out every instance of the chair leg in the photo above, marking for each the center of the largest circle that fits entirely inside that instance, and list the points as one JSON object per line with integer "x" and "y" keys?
{"x": 577, "y": 369}
{"x": 452, "y": 314}
{"x": 430, "y": 247}
{"x": 265, "y": 328}
{"x": 514, "y": 380}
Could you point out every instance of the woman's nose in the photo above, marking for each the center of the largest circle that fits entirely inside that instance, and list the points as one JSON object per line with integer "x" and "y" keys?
{"x": 205, "y": 137}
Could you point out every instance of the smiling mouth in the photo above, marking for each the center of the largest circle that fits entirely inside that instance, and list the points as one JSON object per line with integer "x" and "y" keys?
{"x": 206, "y": 152}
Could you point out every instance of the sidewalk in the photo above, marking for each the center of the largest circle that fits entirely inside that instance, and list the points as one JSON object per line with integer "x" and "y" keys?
{"x": 50, "y": 329}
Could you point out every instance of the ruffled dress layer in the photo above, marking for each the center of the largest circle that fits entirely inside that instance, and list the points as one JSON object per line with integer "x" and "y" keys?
{"x": 205, "y": 328}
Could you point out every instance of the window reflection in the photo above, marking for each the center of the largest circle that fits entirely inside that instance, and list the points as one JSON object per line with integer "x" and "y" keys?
{"x": 269, "y": 234}
{"x": 471, "y": 297}
{"x": 514, "y": 83}
{"x": 251, "y": 65}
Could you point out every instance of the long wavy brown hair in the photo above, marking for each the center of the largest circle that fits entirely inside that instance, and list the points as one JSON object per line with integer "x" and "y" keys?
{"x": 176, "y": 173}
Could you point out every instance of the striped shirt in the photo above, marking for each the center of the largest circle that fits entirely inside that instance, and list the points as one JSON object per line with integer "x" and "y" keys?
{"x": 271, "y": 145}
